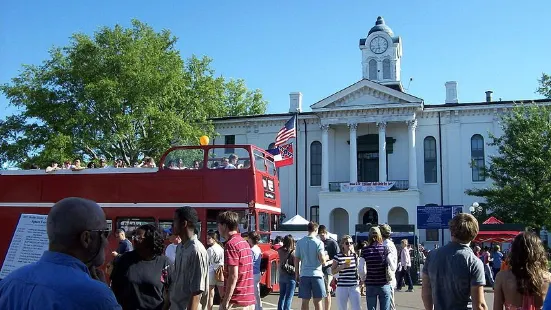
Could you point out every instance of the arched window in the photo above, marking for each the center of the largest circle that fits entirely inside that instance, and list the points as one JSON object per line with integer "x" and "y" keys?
{"x": 315, "y": 163}
{"x": 386, "y": 69}
{"x": 373, "y": 69}
{"x": 478, "y": 163}
{"x": 431, "y": 172}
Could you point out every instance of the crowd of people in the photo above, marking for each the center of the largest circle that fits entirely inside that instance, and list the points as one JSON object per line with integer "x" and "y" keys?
{"x": 67, "y": 276}
{"x": 146, "y": 274}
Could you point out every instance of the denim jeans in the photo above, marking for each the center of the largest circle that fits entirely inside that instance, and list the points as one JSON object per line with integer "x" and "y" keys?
{"x": 382, "y": 292}
{"x": 286, "y": 293}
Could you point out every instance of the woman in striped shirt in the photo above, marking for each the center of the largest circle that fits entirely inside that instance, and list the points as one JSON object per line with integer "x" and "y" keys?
{"x": 373, "y": 268}
{"x": 345, "y": 264}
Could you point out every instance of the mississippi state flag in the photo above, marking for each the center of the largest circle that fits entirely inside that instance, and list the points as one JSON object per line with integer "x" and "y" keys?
{"x": 283, "y": 155}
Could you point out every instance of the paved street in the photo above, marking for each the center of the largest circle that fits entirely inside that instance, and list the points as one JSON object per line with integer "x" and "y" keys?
{"x": 404, "y": 300}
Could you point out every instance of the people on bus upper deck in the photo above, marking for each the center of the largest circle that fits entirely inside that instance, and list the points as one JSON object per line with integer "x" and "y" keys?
{"x": 77, "y": 234}
{"x": 141, "y": 278}
{"x": 77, "y": 165}
{"x": 52, "y": 167}
{"x": 181, "y": 164}
{"x": 124, "y": 244}
{"x": 103, "y": 163}
{"x": 246, "y": 164}
{"x": 191, "y": 282}
{"x": 232, "y": 162}
{"x": 148, "y": 162}
{"x": 91, "y": 165}
{"x": 66, "y": 165}
{"x": 196, "y": 165}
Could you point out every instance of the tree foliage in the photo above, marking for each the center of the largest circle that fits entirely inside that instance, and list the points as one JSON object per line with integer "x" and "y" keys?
{"x": 521, "y": 172}
{"x": 544, "y": 88}
{"x": 122, "y": 93}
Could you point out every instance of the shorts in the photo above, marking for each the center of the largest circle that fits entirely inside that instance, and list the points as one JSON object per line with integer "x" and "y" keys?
{"x": 327, "y": 279}
{"x": 311, "y": 287}
{"x": 212, "y": 280}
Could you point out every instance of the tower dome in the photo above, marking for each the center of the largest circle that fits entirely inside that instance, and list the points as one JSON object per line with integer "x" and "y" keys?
{"x": 381, "y": 26}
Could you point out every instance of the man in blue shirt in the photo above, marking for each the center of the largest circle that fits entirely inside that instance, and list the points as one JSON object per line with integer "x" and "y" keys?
{"x": 77, "y": 232}
{"x": 310, "y": 256}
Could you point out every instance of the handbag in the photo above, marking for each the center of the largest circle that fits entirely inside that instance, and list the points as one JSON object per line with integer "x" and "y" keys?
{"x": 289, "y": 268}
{"x": 219, "y": 274}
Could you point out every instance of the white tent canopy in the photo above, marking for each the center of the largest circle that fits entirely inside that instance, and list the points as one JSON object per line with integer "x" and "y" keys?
{"x": 296, "y": 220}
{"x": 299, "y": 221}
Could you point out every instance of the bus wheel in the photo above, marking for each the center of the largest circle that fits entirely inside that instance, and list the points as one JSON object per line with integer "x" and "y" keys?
{"x": 264, "y": 290}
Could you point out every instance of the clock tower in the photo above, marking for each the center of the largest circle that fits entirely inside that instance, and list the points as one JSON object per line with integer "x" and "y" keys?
{"x": 381, "y": 55}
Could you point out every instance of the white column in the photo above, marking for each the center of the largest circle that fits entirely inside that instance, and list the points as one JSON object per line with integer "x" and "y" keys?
{"x": 353, "y": 153}
{"x": 382, "y": 151}
{"x": 325, "y": 158}
{"x": 412, "y": 155}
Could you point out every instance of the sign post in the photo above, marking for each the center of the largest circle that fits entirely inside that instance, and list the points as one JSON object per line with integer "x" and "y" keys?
{"x": 436, "y": 217}
{"x": 29, "y": 241}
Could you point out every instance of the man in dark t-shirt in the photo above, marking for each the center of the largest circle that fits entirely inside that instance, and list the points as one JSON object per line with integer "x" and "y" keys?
{"x": 332, "y": 248}
{"x": 124, "y": 244}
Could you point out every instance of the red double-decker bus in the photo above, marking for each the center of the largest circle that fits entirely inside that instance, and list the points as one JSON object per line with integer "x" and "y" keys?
{"x": 212, "y": 179}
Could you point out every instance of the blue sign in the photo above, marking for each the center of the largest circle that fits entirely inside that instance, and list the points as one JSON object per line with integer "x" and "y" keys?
{"x": 435, "y": 216}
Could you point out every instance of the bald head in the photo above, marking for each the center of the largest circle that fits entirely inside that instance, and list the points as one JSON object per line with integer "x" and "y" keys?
{"x": 70, "y": 217}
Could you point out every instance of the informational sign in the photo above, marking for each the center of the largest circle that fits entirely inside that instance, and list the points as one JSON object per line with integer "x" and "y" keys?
{"x": 435, "y": 216}
{"x": 366, "y": 187}
{"x": 269, "y": 190}
{"x": 29, "y": 241}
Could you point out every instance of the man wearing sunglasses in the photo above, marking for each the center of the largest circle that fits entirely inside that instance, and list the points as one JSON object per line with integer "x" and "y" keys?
{"x": 77, "y": 233}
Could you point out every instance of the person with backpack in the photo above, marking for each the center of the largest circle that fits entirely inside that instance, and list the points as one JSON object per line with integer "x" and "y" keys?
{"x": 287, "y": 273}
{"x": 345, "y": 264}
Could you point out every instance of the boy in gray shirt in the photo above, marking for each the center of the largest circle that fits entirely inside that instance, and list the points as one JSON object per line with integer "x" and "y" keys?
{"x": 452, "y": 274}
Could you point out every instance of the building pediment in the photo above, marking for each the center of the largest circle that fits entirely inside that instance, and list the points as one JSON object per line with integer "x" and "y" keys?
{"x": 365, "y": 93}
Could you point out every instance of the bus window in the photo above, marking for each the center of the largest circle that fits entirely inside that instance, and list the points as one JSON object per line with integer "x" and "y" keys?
{"x": 263, "y": 221}
{"x": 131, "y": 224}
{"x": 259, "y": 161}
{"x": 264, "y": 238}
{"x": 229, "y": 158}
{"x": 271, "y": 167}
{"x": 184, "y": 159}
{"x": 165, "y": 226}
{"x": 110, "y": 225}
{"x": 275, "y": 221}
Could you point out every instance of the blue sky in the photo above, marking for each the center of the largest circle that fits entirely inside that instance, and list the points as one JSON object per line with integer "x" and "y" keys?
{"x": 312, "y": 46}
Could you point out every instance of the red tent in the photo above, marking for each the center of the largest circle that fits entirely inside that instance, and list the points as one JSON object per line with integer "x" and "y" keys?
{"x": 495, "y": 235}
{"x": 492, "y": 220}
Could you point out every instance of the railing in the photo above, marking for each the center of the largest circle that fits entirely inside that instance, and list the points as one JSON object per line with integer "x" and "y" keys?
{"x": 399, "y": 185}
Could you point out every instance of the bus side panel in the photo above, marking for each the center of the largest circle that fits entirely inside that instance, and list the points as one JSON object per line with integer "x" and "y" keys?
{"x": 19, "y": 188}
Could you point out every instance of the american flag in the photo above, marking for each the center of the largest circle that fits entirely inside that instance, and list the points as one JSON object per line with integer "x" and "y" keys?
{"x": 287, "y": 132}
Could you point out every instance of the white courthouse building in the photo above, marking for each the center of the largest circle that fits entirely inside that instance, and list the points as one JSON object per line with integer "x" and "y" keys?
{"x": 373, "y": 131}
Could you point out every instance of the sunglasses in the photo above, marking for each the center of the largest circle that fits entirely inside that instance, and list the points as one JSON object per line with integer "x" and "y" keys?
{"x": 348, "y": 243}
{"x": 102, "y": 232}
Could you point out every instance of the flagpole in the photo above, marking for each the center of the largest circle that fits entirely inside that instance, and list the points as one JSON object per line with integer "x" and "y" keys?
{"x": 295, "y": 155}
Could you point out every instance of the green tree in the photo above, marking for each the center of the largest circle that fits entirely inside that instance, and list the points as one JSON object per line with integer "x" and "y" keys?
{"x": 544, "y": 88}
{"x": 122, "y": 93}
{"x": 521, "y": 172}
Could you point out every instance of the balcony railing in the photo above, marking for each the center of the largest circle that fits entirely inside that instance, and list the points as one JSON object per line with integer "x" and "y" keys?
{"x": 399, "y": 185}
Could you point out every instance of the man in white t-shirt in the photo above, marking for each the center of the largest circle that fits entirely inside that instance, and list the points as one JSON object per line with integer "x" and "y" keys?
{"x": 392, "y": 259}
{"x": 170, "y": 251}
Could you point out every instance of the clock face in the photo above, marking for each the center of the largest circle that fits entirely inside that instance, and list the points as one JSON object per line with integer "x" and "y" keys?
{"x": 378, "y": 45}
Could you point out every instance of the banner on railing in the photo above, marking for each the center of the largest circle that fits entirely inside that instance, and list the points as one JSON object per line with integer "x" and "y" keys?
{"x": 366, "y": 187}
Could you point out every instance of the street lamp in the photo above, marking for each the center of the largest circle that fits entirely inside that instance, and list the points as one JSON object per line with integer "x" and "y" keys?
{"x": 474, "y": 207}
